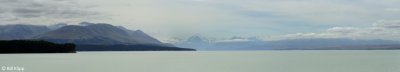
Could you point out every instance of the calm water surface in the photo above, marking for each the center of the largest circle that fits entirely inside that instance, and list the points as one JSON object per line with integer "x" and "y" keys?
{"x": 208, "y": 61}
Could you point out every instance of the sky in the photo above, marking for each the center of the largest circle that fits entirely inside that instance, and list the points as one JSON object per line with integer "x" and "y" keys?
{"x": 170, "y": 20}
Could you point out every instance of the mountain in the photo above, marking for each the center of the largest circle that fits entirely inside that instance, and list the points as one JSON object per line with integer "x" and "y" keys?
{"x": 21, "y": 31}
{"x": 195, "y": 41}
{"x": 321, "y": 44}
{"x": 307, "y": 44}
{"x": 88, "y": 37}
{"x": 234, "y": 43}
{"x": 57, "y": 26}
{"x": 98, "y": 34}
{"x": 363, "y": 47}
{"x": 253, "y": 43}
{"x": 237, "y": 43}
{"x": 143, "y": 37}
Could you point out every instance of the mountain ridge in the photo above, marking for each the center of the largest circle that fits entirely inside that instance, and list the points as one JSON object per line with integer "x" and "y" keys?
{"x": 89, "y": 37}
{"x": 83, "y": 33}
{"x": 21, "y": 31}
{"x": 98, "y": 34}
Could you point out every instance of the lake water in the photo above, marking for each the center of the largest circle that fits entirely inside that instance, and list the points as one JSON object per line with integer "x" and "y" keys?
{"x": 209, "y": 61}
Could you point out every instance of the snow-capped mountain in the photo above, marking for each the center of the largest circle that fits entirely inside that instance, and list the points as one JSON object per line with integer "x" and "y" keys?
{"x": 196, "y": 42}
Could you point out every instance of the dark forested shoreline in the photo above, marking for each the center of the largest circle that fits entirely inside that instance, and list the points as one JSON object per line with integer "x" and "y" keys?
{"x": 34, "y": 46}
{"x": 41, "y": 46}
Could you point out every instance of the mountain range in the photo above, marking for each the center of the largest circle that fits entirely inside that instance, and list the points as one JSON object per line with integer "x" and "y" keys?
{"x": 102, "y": 35}
{"x": 85, "y": 33}
{"x": 253, "y": 43}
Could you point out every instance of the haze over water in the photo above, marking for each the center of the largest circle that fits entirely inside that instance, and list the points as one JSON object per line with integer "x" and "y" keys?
{"x": 209, "y": 61}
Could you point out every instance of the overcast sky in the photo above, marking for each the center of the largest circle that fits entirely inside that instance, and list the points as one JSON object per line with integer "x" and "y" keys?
{"x": 166, "y": 19}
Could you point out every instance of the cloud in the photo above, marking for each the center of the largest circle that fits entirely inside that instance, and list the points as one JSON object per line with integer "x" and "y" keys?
{"x": 239, "y": 39}
{"x": 214, "y": 18}
{"x": 36, "y": 11}
{"x": 383, "y": 29}
{"x": 392, "y": 9}
{"x": 247, "y": 18}
{"x": 269, "y": 17}
{"x": 388, "y": 24}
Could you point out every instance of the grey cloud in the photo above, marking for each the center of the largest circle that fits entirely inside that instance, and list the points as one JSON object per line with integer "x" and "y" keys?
{"x": 1, "y": 11}
{"x": 384, "y": 29}
{"x": 27, "y": 11}
{"x": 49, "y": 9}
{"x": 388, "y": 24}
{"x": 6, "y": 1}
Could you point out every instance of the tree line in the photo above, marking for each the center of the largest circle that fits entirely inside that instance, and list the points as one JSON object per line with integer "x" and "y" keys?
{"x": 35, "y": 46}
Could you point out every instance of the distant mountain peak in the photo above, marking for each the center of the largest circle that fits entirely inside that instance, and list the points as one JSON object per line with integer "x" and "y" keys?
{"x": 195, "y": 38}
{"x": 57, "y": 26}
{"x": 139, "y": 31}
{"x": 121, "y": 27}
{"x": 195, "y": 41}
{"x": 85, "y": 23}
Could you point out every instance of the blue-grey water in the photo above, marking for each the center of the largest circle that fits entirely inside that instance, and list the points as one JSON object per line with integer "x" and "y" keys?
{"x": 209, "y": 61}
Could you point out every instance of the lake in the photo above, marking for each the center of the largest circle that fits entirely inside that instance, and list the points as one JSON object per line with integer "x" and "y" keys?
{"x": 209, "y": 61}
